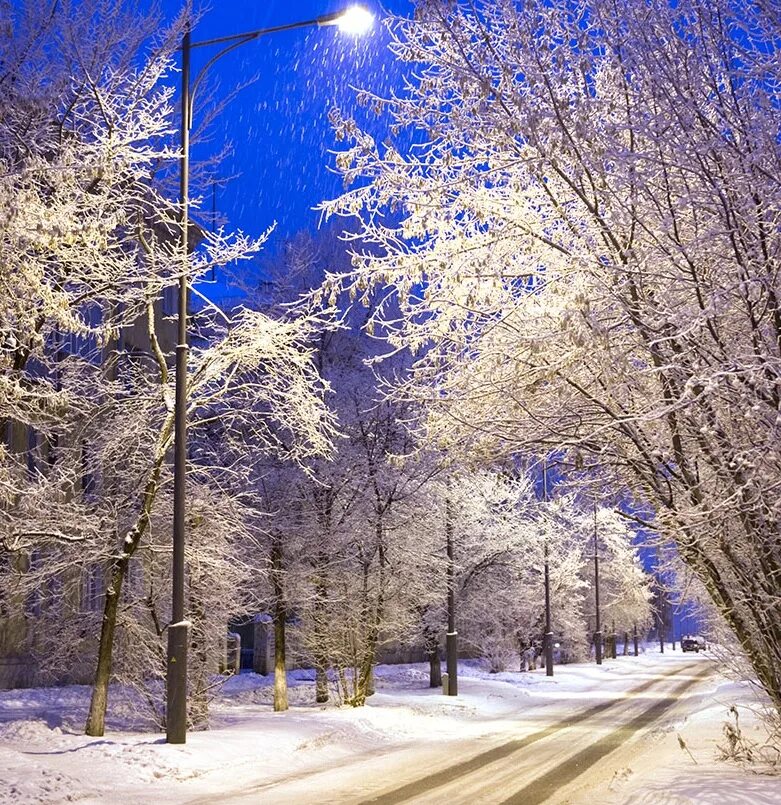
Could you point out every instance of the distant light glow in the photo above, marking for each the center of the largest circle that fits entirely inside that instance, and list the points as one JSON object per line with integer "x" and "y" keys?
{"x": 355, "y": 20}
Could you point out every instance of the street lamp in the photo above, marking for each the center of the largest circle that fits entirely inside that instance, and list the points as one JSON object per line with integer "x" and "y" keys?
{"x": 355, "y": 20}
{"x": 451, "y": 638}
{"x": 598, "y": 630}
{"x": 548, "y": 639}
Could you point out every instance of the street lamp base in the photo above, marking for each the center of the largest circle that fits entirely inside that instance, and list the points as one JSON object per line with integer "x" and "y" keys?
{"x": 598, "y": 647}
{"x": 451, "y": 652}
{"x": 548, "y": 653}
{"x": 176, "y": 682}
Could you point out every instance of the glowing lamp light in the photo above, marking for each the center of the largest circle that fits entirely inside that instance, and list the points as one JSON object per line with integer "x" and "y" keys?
{"x": 355, "y": 20}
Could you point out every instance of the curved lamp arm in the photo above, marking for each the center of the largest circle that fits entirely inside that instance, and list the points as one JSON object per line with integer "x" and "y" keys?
{"x": 202, "y": 72}
{"x": 236, "y": 40}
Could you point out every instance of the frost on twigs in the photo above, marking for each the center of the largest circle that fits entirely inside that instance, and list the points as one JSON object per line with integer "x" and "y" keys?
{"x": 737, "y": 747}
{"x": 581, "y": 243}
{"x": 91, "y": 257}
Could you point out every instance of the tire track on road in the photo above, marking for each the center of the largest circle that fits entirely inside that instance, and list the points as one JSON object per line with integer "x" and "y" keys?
{"x": 559, "y": 776}
{"x": 452, "y": 773}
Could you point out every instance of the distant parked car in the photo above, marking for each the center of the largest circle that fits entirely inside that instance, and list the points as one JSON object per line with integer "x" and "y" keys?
{"x": 694, "y": 643}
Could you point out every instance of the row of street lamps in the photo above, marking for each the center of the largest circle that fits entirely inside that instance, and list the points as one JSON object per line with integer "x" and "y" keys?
{"x": 355, "y": 19}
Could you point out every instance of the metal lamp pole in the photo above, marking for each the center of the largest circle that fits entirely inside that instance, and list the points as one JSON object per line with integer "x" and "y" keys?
{"x": 355, "y": 19}
{"x": 451, "y": 638}
{"x": 548, "y": 631}
{"x": 598, "y": 631}
{"x": 548, "y": 639}
{"x": 176, "y": 671}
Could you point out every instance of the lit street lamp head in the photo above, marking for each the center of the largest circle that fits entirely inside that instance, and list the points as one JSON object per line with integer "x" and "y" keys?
{"x": 356, "y": 20}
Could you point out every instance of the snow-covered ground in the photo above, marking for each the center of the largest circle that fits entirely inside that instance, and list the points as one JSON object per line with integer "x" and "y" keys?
{"x": 45, "y": 758}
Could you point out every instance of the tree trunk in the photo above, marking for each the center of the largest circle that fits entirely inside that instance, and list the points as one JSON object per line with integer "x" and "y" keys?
{"x": 321, "y": 631}
{"x": 280, "y": 671}
{"x": 364, "y": 686}
{"x": 364, "y": 679}
{"x": 199, "y": 704}
{"x": 321, "y": 685}
{"x": 451, "y": 638}
{"x": 96, "y": 719}
{"x": 434, "y": 663}
{"x": 280, "y": 612}
{"x": 434, "y": 669}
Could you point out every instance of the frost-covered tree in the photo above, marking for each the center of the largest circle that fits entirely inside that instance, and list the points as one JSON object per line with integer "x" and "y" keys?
{"x": 505, "y": 532}
{"x": 583, "y": 241}
{"x": 85, "y": 126}
{"x": 499, "y": 554}
{"x": 364, "y": 531}
{"x": 350, "y": 528}
{"x": 86, "y": 123}
{"x": 89, "y": 239}
{"x": 625, "y": 588}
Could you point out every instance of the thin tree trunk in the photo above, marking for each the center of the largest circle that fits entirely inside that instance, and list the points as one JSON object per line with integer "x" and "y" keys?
{"x": 613, "y": 641}
{"x": 199, "y": 704}
{"x": 320, "y": 624}
{"x": 280, "y": 671}
{"x": 321, "y": 685}
{"x": 365, "y": 672}
{"x": 96, "y": 718}
{"x": 97, "y": 712}
{"x": 280, "y": 612}
{"x": 364, "y": 686}
{"x": 434, "y": 662}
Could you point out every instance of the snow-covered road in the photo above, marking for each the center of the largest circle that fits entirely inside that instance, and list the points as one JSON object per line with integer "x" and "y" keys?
{"x": 519, "y": 763}
{"x": 608, "y": 734}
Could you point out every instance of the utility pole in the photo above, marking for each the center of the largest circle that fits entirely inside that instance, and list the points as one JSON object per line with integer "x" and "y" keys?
{"x": 451, "y": 639}
{"x": 598, "y": 631}
{"x": 548, "y": 639}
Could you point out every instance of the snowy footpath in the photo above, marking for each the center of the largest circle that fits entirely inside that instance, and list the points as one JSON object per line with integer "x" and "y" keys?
{"x": 312, "y": 752}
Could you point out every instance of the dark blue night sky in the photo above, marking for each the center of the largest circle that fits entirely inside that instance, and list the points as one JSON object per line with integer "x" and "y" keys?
{"x": 278, "y": 126}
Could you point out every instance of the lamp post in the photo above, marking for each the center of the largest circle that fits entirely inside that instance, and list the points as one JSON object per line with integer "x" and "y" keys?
{"x": 598, "y": 630}
{"x": 356, "y": 19}
{"x": 451, "y": 638}
{"x": 548, "y": 639}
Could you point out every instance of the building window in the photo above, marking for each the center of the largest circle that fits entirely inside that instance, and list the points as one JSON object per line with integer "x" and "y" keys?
{"x": 32, "y": 602}
{"x": 170, "y": 300}
{"x": 92, "y": 598}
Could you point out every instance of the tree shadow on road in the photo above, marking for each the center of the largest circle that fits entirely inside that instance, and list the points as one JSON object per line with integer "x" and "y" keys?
{"x": 733, "y": 786}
